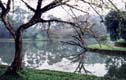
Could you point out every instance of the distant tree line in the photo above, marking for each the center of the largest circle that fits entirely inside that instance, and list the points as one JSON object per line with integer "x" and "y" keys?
{"x": 42, "y": 30}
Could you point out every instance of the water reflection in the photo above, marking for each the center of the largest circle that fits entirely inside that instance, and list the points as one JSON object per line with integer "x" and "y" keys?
{"x": 47, "y": 52}
{"x": 6, "y": 52}
{"x": 116, "y": 66}
{"x": 56, "y": 56}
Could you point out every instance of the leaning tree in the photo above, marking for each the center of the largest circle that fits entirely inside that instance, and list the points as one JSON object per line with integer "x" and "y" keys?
{"x": 38, "y": 11}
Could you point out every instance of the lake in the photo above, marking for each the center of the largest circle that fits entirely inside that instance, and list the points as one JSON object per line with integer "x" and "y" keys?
{"x": 62, "y": 57}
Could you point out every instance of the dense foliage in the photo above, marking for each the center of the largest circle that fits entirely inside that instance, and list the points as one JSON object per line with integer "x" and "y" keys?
{"x": 116, "y": 24}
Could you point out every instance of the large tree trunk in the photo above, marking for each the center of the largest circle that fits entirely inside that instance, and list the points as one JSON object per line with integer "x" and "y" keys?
{"x": 17, "y": 62}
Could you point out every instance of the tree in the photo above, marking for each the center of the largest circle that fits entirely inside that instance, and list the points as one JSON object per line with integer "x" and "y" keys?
{"x": 115, "y": 22}
{"x": 116, "y": 67}
{"x": 36, "y": 18}
{"x": 15, "y": 19}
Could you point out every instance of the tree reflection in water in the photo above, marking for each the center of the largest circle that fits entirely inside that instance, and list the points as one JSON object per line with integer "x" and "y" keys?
{"x": 50, "y": 53}
{"x": 59, "y": 57}
{"x": 54, "y": 53}
{"x": 80, "y": 58}
{"x": 116, "y": 66}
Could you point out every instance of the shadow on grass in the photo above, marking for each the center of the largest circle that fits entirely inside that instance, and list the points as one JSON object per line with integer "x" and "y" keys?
{"x": 32, "y": 74}
{"x": 10, "y": 77}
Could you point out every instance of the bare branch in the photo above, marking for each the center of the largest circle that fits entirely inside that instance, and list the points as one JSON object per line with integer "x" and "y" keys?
{"x": 76, "y": 8}
{"x": 52, "y": 5}
{"x": 97, "y": 13}
{"x": 94, "y": 4}
{"x": 66, "y": 11}
{"x": 55, "y": 20}
{"x": 113, "y": 5}
{"x": 71, "y": 43}
{"x": 39, "y": 4}
{"x": 2, "y": 6}
{"x": 9, "y": 27}
{"x": 8, "y": 4}
{"x": 48, "y": 30}
{"x": 29, "y": 7}
{"x": 97, "y": 5}
{"x": 76, "y": 37}
{"x": 73, "y": 13}
{"x": 28, "y": 24}
{"x": 4, "y": 17}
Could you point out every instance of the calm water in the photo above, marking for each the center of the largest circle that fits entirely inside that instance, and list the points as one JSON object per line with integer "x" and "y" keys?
{"x": 56, "y": 56}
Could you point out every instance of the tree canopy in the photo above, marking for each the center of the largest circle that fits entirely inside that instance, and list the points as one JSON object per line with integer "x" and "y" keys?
{"x": 116, "y": 24}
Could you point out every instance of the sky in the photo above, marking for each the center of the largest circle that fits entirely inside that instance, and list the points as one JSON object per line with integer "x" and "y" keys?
{"x": 61, "y": 13}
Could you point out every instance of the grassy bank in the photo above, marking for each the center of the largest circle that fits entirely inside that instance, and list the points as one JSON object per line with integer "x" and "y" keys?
{"x": 30, "y": 74}
{"x": 106, "y": 47}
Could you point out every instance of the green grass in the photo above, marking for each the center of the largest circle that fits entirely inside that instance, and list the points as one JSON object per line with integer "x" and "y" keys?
{"x": 31, "y": 74}
{"x": 106, "y": 47}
